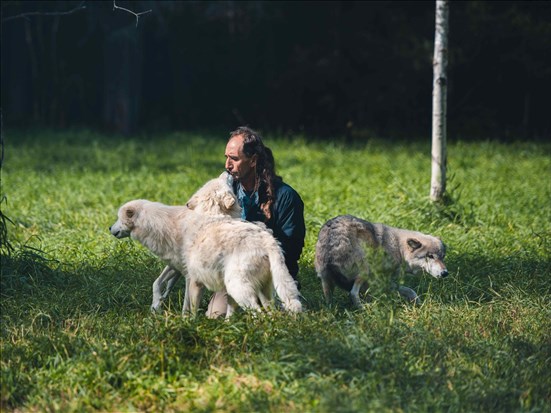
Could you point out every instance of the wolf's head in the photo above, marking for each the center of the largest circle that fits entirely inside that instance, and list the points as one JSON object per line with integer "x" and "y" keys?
{"x": 127, "y": 218}
{"x": 216, "y": 198}
{"x": 425, "y": 253}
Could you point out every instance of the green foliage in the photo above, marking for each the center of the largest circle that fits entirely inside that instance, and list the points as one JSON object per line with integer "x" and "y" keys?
{"x": 77, "y": 335}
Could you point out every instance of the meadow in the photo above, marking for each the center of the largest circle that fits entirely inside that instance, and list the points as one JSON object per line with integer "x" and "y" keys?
{"x": 77, "y": 334}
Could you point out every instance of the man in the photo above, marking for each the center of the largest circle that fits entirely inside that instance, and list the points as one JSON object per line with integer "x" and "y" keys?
{"x": 264, "y": 197}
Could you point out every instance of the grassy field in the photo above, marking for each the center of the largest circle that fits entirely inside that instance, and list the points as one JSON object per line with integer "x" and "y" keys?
{"x": 77, "y": 334}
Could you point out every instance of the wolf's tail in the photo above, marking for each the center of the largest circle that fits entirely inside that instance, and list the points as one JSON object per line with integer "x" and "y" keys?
{"x": 284, "y": 284}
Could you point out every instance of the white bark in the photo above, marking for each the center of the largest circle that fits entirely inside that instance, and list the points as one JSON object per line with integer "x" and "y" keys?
{"x": 439, "y": 99}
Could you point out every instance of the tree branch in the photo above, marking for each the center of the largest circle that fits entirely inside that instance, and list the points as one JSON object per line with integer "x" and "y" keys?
{"x": 131, "y": 12}
{"x": 40, "y": 13}
{"x": 81, "y": 6}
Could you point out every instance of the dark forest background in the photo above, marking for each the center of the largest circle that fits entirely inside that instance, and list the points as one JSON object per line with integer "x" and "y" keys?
{"x": 320, "y": 68}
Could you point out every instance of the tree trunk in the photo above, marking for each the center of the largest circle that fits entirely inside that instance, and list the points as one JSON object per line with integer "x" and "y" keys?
{"x": 123, "y": 78}
{"x": 439, "y": 98}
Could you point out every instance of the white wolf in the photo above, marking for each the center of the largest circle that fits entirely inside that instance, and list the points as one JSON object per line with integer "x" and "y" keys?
{"x": 341, "y": 257}
{"x": 218, "y": 252}
{"x": 215, "y": 198}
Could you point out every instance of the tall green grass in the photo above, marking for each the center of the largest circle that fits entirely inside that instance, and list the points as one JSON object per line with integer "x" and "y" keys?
{"x": 77, "y": 335}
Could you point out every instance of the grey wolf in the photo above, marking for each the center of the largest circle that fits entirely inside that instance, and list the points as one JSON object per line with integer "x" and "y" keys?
{"x": 342, "y": 255}
{"x": 218, "y": 252}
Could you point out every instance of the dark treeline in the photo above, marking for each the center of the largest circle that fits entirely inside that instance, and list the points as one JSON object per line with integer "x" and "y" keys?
{"x": 321, "y": 68}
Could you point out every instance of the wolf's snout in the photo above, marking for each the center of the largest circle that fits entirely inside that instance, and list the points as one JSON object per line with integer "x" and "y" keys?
{"x": 444, "y": 274}
{"x": 115, "y": 232}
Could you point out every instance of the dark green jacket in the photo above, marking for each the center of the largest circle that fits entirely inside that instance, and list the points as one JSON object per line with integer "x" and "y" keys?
{"x": 287, "y": 222}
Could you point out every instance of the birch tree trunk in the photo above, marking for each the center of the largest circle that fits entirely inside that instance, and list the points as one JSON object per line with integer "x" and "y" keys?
{"x": 439, "y": 98}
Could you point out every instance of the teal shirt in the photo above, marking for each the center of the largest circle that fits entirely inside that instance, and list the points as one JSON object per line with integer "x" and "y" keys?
{"x": 287, "y": 222}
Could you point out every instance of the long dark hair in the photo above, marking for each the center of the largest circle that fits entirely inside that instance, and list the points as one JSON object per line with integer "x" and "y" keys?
{"x": 265, "y": 166}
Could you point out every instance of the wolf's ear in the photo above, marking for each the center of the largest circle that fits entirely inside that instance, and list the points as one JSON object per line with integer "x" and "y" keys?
{"x": 130, "y": 212}
{"x": 192, "y": 203}
{"x": 229, "y": 201}
{"x": 413, "y": 244}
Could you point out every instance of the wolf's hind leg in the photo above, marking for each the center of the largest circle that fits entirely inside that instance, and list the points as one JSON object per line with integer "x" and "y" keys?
{"x": 265, "y": 296}
{"x": 231, "y": 308}
{"x": 357, "y": 287}
{"x": 246, "y": 298}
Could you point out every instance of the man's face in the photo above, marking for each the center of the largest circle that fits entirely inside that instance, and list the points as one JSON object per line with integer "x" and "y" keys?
{"x": 238, "y": 164}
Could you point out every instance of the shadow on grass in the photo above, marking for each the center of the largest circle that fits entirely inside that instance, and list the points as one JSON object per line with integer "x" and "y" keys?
{"x": 472, "y": 279}
{"x": 124, "y": 282}
{"x": 337, "y": 353}
{"x": 483, "y": 279}
{"x": 29, "y": 280}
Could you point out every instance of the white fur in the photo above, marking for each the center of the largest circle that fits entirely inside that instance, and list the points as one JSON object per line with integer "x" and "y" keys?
{"x": 215, "y": 251}
{"x": 215, "y": 198}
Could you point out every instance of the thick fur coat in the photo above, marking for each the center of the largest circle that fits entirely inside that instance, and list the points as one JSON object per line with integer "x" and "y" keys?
{"x": 215, "y": 198}
{"x": 212, "y": 250}
{"x": 343, "y": 255}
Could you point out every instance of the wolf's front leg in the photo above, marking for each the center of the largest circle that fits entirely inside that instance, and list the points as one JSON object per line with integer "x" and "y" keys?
{"x": 231, "y": 308}
{"x": 168, "y": 275}
{"x": 192, "y": 297}
{"x": 409, "y": 294}
{"x": 170, "y": 283}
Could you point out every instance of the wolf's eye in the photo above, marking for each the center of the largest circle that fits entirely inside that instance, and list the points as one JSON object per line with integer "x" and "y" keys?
{"x": 430, "y": 256}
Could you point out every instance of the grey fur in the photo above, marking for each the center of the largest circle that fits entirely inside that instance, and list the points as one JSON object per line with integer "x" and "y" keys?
{"x": 342, "y": 260}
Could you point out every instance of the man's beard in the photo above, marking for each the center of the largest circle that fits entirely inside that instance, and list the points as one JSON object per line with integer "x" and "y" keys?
{"x": 234, "y": 177}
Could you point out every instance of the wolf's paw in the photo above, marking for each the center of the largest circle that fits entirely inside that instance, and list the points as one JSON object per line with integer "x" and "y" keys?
{"x": 413, "y": 298}
{"x": 409, "y": 295}
{"x": 156, "y": 307}
{"x": 294, "y": 306}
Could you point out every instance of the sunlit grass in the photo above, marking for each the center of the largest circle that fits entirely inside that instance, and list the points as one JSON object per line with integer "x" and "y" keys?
{"x": 77, "y": 334}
